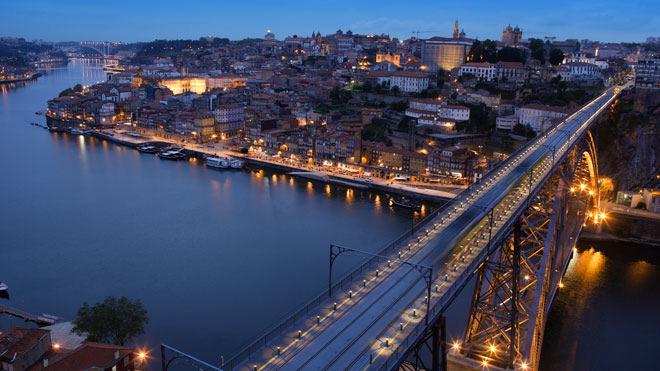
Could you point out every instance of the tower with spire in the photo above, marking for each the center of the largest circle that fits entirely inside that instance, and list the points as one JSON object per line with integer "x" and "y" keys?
{"x": 456, "y": 34}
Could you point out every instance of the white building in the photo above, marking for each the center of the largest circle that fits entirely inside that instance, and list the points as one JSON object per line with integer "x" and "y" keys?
{"x": 540, "y": 117}
{"x": 435, "y": 111}
{"x": 106, "y": 113}
{"x": 406, "y": 81}
{"x": 506, "y": 122}
{"x": 482, "y": 70}
{"x": 430, "y": 105}
{"x": 579, "y": 71}
{"x": 457, "y": 113}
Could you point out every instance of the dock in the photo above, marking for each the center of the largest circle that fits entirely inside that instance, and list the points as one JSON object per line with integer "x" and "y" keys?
{"x": 41, "y": 320}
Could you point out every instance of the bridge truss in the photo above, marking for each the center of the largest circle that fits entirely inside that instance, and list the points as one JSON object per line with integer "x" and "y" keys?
{"x": 517, "y": 282}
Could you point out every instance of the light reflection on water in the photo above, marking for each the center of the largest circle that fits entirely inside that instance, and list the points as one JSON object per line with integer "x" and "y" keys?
{"x": 606, "y": 315}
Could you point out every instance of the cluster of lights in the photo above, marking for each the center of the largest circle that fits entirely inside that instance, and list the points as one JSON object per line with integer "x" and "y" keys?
{"x": 597, "y": 216}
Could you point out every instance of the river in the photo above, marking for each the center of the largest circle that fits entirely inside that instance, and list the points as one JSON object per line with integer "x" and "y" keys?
{"x": 217, "y": 256}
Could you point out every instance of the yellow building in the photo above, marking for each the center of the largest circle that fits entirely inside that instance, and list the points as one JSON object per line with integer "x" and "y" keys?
{"x": 394, "y": 58}
{"x": 204, "y": 128}
{"x": 185, "y": 84}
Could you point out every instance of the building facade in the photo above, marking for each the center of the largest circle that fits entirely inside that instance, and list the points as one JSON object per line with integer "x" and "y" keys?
{"x": 647, "y": 73}
{"x": 540, "y": 117}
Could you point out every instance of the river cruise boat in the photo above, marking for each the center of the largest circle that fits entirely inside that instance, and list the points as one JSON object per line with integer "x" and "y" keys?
{"x": 217, "y": 162}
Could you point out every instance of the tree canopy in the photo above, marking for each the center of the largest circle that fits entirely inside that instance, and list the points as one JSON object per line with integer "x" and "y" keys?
{"x": 537, "y": 48}
{"x": 71, "y": 91}
{"x": 509, "y": 54}
{"x": 556, "y": 56}
{"x": 113, "y": 321}
{"x": 486, "y": 51}
{"x": 376, "y": 130}
{"x": 483, "y": 51}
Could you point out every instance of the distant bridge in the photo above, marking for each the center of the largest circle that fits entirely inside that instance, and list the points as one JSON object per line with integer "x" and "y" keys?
{"x": 514, "y": 232}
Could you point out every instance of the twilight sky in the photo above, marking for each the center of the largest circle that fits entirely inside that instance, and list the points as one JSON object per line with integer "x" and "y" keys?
{"x": 143, "y": 20}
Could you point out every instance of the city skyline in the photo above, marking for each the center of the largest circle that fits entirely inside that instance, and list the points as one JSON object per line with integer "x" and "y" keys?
{"x": 131, "y": 22}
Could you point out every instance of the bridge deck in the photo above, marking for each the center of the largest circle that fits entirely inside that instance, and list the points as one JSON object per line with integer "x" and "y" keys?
{"x": 376, "y": 326}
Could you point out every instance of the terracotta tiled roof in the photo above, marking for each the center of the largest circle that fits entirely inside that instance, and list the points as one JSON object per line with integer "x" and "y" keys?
{"x": 87, "y": 356}
{"x": 20, "y": 340}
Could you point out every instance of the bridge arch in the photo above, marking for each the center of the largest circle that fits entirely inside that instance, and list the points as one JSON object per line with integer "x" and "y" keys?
{"x": 585, "y": 174}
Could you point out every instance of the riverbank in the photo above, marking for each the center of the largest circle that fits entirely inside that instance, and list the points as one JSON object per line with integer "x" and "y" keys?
{"x": 21, "y": 79}
{"x": 626, "y": 225}
{"x": 312, "y": 172}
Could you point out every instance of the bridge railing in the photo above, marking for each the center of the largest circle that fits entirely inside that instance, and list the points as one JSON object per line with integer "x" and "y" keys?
{"x": 411, "y": 339}
{"x": 288, "y": 321}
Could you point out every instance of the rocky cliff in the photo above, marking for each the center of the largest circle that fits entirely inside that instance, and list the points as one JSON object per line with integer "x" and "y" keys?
{"x": 628, "y": 139}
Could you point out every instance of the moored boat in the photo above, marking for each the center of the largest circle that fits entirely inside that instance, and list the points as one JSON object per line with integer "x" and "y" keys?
{"x": 172, "y": 154}
{"x": 3, "y": 287}
{"x": 406, "y": 203}
{"x": 235, "y": 163}
{"x": 148, "y": 149}
{"x": 217, "y": 162}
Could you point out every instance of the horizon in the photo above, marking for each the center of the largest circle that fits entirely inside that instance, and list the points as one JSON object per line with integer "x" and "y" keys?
{"x": 148, "y": 21}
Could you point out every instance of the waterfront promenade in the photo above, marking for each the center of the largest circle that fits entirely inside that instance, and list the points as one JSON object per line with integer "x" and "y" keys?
{"x": 331, "y": 174}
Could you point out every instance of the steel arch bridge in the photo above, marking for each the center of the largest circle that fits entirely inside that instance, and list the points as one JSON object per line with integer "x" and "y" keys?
{"x": 514, "y": 233}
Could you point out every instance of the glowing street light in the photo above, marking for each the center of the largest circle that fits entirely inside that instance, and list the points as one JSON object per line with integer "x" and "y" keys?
{"x": 142, "y": 355}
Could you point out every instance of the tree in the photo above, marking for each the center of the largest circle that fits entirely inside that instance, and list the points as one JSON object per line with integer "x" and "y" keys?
{"x": 375, "y": 131}
{"x": 556, "y": 56}
{"x": 339, "y": 96}
{"x": 524, "y": 130}
{"x": 70, "y": 91}
{"x": 509, "y": 54}
{"x": 113, "y": 321}
{"x": 404, "y": 124}
{"x": 537, "y": 48}
{"x": 483, "y": 51}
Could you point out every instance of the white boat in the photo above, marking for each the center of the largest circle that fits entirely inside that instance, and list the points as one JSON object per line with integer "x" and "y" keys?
{"x": 217, "y": 162}
{"x": 3, "y": 287}
{"x": 236, "y": 163}
{"x": 77, "y": 132}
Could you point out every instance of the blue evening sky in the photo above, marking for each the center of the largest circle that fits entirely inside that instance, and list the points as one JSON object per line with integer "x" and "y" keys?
{"x": 141, "y": 20}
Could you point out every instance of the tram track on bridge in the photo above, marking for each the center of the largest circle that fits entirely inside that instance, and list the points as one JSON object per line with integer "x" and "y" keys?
{"x": 466, "y": 204}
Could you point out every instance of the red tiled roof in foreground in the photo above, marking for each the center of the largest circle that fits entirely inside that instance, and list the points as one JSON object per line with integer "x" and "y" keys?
{"x": 87, "y": 356}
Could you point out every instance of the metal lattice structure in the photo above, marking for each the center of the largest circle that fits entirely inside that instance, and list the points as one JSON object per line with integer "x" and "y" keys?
{"x": 519, "y": 278}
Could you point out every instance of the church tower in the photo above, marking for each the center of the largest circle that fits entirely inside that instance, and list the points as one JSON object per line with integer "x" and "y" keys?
{"x": 456, "y": 34}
